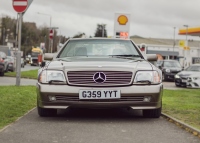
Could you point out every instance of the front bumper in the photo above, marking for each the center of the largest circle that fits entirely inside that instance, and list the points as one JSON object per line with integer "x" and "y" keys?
{"x": 69, "y": 96}
{"x": 193, "y": 83}
{"x": 180, "y": 82}
{"x": 170, "y": 76}
{"x": 11, "y": 67}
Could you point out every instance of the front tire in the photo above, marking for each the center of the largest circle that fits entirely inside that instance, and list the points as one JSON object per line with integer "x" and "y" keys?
{"x": 2, "y": 73}
{"x": 42, "y": 112}
{"x": 177, "y": 85}
{"x": 152, "y": 113}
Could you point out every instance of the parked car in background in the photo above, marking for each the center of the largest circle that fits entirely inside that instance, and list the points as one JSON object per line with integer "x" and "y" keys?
{"x": 169, "y": 69}
{"x": 4, "y": 60}
{"x": 11, "y": 63}
{"x": 193, "y": 81}
{"x": 190, "y": 77}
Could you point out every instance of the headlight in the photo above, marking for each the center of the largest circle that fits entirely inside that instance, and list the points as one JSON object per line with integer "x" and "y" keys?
{"x": 177, "y": 76}
{"x": 49, "y": 76}
{"x": 167, "y": 70}
{"x": 147, "y": 77}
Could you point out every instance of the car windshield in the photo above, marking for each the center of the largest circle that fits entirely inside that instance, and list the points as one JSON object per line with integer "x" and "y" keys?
{"x": 172, "y": 64}
{"x": 193, "y": 68}
{"x": 99, "y": 47}
{"x": 34, "y": 54}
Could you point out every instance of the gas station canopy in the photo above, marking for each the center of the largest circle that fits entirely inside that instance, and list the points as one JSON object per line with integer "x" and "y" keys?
{"x": 193, "y": 31}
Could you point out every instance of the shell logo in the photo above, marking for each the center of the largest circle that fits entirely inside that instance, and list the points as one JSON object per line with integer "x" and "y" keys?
{"x": 122, "y": 19}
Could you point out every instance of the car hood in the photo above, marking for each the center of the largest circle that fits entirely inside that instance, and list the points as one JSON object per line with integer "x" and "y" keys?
{"x": 188, "y": 73}
{"x": 80, "y": 63}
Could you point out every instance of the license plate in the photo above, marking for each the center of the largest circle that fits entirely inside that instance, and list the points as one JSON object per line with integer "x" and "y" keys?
{"x": 184, "y": 80}
{"x": 99, "y": 94}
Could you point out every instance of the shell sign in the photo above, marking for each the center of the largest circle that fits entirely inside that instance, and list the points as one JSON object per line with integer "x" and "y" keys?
{"x": 122, "y": 19}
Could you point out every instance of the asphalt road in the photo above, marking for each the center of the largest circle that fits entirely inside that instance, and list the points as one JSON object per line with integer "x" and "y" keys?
{"x": 94, "y": 126}
{"x": 28, "y": 67}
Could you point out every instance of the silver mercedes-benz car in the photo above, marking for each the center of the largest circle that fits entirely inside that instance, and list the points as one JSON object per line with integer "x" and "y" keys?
{"x": 99, "y": 73}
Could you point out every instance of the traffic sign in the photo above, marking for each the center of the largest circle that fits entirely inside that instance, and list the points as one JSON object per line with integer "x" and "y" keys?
{"x": 29, "y": 3}
{"x": 51, "y": 34}
{"x": 20, "y": 5}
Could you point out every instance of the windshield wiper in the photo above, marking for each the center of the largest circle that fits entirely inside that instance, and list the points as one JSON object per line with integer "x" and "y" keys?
{"x": 125, "y": 55}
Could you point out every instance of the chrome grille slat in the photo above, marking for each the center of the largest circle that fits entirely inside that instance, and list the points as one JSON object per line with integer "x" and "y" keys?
{"x": 113, "y": 78}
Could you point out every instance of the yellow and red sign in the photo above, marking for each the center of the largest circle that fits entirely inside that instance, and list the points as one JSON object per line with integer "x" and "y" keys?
{"x": 122, "y": 25}
{"x": 122, "y": 19}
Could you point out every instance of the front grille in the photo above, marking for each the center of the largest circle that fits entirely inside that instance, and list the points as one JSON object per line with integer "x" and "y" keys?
{"x": 189, "y": 79}
{"x": 123, "y": 98}
{"x": 113, "y": 78}
{"x": 184, "y": 78}
{"x": 175, "y": 71}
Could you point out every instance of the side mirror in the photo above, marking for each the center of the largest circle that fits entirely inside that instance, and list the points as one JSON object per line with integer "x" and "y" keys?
{"x": 48, "y": 56}
{"x": 152, "y": 57}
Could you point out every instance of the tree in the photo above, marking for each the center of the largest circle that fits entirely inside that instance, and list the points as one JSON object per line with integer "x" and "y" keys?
{"x": 31, "y": 35}
{"x": 7, "y": 29}
{"x": 101, "y": 31}
{"x": 79, "y": 35}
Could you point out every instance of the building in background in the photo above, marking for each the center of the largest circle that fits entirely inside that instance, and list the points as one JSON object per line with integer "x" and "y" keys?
{"x": 168, "y": 50}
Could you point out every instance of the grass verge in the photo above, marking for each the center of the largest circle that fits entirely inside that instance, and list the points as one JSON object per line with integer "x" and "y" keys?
{"x": 15, "y": 102}
{"x": 32, "y": 74}
{"x": 183, "y": 105}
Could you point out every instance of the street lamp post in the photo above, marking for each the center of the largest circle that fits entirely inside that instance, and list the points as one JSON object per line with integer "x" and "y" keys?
{"x": 49, "y": 27}
{"x": 47, "y": 15}
{"x": 103, "y": 27}
{"x": 174, "y": 41}
{"x": 186, "y": 43}
{"x": 186, "y": 34}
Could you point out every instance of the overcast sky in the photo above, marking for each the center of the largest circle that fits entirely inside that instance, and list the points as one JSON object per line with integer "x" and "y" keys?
{"x": 149, "y": 18}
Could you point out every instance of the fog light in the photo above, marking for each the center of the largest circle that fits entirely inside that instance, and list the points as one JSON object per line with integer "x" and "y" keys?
{"x": 52, "y": 98}
{"x": 147, "y": 99}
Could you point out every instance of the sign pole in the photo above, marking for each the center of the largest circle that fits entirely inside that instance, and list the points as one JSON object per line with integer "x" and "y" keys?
{"x": 18, "y": 75}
